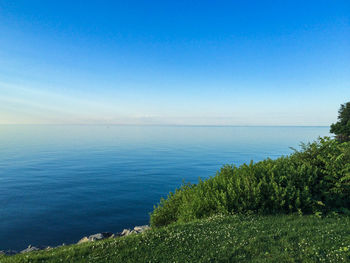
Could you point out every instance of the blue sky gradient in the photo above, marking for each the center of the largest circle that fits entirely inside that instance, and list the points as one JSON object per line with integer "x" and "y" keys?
{"x": 174, "y": 62}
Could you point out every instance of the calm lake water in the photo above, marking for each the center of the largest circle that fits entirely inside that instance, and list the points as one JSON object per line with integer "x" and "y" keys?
{"x": 60, "y": 183}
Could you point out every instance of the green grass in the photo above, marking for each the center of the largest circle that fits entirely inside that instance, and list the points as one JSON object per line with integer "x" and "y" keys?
{"x": 238, "y": 238}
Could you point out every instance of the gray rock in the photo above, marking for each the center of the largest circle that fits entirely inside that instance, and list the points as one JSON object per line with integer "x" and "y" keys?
{"x": 100, "y": 236}
{"x": 140, "y": 229}
{"x": 136, "y": 230}
{"x": 2, "y": 252}
{"x": 83, "y": 240}
{"x": 125, "y": 232}
{"x": 30, "y": 248}
{"x": 95, "y": 237}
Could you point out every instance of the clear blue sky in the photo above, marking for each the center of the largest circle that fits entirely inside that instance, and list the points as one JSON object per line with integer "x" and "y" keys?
{"x": 174, "y": 62}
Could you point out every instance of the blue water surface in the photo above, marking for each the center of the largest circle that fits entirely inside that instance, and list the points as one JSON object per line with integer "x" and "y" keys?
{"x": 60, "y": 183}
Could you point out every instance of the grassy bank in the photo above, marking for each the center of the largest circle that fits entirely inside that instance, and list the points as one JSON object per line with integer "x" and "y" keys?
{"x": 249, "y": 238}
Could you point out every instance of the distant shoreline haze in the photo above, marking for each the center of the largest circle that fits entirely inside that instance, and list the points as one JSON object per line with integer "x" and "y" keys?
{"x": 160, "y": 125}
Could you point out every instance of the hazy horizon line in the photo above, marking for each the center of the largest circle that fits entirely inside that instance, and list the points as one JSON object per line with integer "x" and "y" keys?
{"x": 169, "y": 125}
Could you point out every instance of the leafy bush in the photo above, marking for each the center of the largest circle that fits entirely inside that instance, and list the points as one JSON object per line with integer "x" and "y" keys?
{"x": 313, "y": 180}
{"x": 342, "y": 127}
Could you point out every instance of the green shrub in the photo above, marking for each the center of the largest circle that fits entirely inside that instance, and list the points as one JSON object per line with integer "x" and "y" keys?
{"x": 315, "y": 179}
{"x": 342, "y": 127}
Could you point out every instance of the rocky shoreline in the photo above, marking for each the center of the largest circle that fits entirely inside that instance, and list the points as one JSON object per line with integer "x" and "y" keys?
{"x": 91, "y": 238}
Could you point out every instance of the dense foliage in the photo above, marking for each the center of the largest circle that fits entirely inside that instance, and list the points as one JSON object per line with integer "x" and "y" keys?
{"x": 234, "y": 238}
{"x": 342, "y": 128}
{"x": 313, "y": 180}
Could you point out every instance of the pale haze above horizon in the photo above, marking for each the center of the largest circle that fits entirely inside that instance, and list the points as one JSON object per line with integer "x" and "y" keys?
{"x": 174, "y": 62}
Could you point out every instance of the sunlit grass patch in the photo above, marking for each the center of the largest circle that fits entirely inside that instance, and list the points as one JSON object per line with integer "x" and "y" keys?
{"x": 237, "y": 238}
